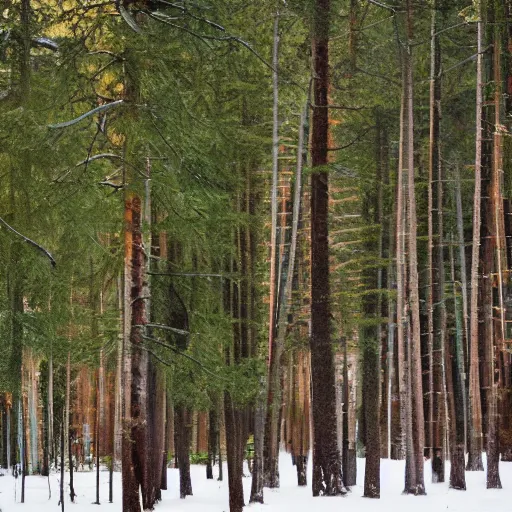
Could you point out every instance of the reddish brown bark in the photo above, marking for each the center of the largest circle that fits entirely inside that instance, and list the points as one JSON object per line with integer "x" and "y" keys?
{"x": 327, "y": 477}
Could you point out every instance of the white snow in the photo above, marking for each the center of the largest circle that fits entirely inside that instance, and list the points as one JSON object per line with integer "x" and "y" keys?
{"x": 212, "y": 496}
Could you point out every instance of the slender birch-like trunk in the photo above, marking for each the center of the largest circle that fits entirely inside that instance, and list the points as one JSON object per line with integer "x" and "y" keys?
{"x": 275, "y": 348}
{"x": 464, "y": 347}
{"x": 475, "y": 437}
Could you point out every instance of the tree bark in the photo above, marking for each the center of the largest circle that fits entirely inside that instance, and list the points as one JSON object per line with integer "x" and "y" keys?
{"x": 496, "y": 206}
{"x": 416, "y": 484}
{"x": 436, "y": 307}
{"x": 258, "y": 460}
{"x": 371, "y": 334}
{"x": 72, "y": 493}
{"x": 212, "y": 442}
{"x": 457, "y": 402}
{"x": 183, "y": 437}
{"x": 475, "y": 434}
{"x": 63, "y": 427}
{"x": 327, "y": 477}
{"x": 271, "y": 442}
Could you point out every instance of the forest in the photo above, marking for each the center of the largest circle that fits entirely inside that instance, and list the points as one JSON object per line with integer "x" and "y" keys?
{"x": 235, "y": 230}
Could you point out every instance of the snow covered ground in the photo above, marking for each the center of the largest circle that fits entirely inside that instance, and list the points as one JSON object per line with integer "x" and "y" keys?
{"x": 212, "y": 496}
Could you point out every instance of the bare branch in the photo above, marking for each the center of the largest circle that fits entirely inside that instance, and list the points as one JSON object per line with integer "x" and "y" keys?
{"x": 357, "y": 139}
{"x": 187, "y": 274}
{"x": 101, "y": 108}
{"x": 110, "y": 184}
{"x": 181, "y": 353}
{"x": 127, "y": 16}
{"x": 166, "y": 328}
{"x": 29, "y": 241}
{"x": 194, "y": 16}
{"x": 338, "y": 107}
{"x": 383, "y": 5}
{"x": 97, "y": 157}
{"x": 45, "y": 42}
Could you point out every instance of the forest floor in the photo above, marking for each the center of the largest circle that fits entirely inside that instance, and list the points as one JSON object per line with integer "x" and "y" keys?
{"x": 212, "y": 496}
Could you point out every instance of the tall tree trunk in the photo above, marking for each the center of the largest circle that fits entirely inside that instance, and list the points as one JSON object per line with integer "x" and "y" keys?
{"x": 464, "y": 347}
{"x": 235, "y": 419}
{"x": 271, "y": 443}
{"x": 401, "y": 280}
{"x": 435, "y": 306}
{"x": 327, "y": 477}
{"x": 496, "y": 204}
{"x": 416, "y": 485}
{"x": 505, "y": 393}
{"x": 371, "y": 335}
{"x": 136, "y": 461}
{"x": 438, "y": 307}
{"x": 475, "y": 437}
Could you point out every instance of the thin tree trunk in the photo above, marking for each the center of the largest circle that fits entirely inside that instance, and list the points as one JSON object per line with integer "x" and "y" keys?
{"x": 131, "y": 501}
{"x": 416, "y": 486}
{"x": 220, "y": 478}
{"x": 496, "y": 203}
{"x": 72, "y": 493}
{"x": 118, "y": 404}
{"x": 23, "y": 447}
{"x": 165, "y": 456}
{"x": 236, "y": 415}
{"x": 475, "y": 444}
{"x": 97, "y": 442}
{"x": 258, "y": 460}
{"x": 234, "y": 457}
{"x": 433, "y": 141}
{"x": 271, "y": 443}
{"x": 349, "y": 475}
{"x": 183, "y": 430}
{"x": 63, "y": 427}
{"x": 212, "y": 443}
{"x": 401, "y": 280}
{"x": 464, "y": 347}
{"x": 457, "y": 404}
{"x": 436, "y": 306}
{"x": 371, "y": 336}
{"x": 112, "y": 453}
{"x": 50, "y": 406}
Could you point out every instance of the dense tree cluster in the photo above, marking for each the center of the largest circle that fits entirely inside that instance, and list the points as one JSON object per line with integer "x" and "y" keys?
{"x": 222, "y": 219}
